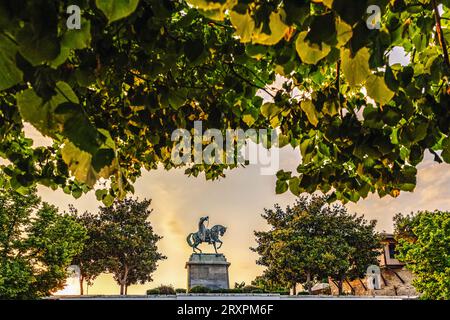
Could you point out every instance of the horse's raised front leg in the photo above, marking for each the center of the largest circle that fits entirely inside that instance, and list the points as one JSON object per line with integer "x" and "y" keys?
{"x": 215, "y": 248}
{"x": 220, "y": 244}
{"x": 196, "y": 249}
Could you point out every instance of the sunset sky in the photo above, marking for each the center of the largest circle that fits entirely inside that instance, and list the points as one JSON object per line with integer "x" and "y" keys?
{"x": 237, "y": 202}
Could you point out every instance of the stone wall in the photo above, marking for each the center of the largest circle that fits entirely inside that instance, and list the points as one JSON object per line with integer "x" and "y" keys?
{"x": 394, "y": 282}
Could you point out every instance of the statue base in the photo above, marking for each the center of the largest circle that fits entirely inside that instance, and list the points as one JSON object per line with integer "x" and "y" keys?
{"x": 208, "y": 270}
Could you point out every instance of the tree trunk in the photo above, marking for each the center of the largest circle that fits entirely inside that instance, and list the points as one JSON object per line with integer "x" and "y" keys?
{"x": 123, "y": 281}
{"x": 81, "y": 285}
{"x": 340, "y": 285}
{"x": 308, "y": 282}
{"x": 294, "y": 289}
{"x": 126, "y": 289}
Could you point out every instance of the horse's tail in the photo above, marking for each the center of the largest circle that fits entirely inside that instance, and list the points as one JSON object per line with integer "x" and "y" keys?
{"x": 188, "y": 239}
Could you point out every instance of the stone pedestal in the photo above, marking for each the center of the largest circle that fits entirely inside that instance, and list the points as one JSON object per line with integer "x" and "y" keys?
{"x": 208, "y": 270}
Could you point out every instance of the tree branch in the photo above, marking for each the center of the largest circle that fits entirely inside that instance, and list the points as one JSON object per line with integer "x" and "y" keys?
{"x": 338, "y": 86}
{"x": 440, "y": 33}
{"x": 249, "y": 82}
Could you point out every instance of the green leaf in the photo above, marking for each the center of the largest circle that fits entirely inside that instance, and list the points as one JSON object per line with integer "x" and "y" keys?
{"x": 310, "y": 53}
{"x": 38, "y": 48}
{"x": 311, "y": 112}
{"x": 40, "y": 113}
{"x": 100, "y": 194}
{"x": 344, "y": 32}
{"x": 294, "y": 186}
{"x": 283, "y": 140}
{"x": 77, "y": 127}
{"x": 277, "y": 30}
{"x": 256, "y": 51}
{"x": 350, "y": 13}
{"x": 249, "y": 119}
{"x": 391, "y": 117}
{"x": 78, "y": 39}
{"x": 82, "y": 166}
{"x": 318, "y": 34}
{"x": 10, "y": 75}
{"x": 281, "y": 187}
{"x": 208, "y": 4}
{"x": 62, "y": 114}
{"x": 193, "y": 49}
{"x": 244, "y": 24}
{"x": 77, "y": 193}
{"x": 378, "y": 90}
{"x": 284, "y": 175}
{"x": 446, "y": 150}
{"x": 306, "y": 146}
{"x": 177, "y": 98}
{"x": 117, "y": 9}
{"x": 270, "y": 110}
{"x": 108, "y": 200}
{"x": 330, "y": 107}
{"x": 356, "y": 69}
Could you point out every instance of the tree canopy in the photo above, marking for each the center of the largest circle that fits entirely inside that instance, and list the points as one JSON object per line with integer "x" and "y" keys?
{"x": 37, "y": 245}
{"x": 93, "y": 259}
{"x": 111, "y": 93}
{"x": 121, "y": 242}
{"x": 313, "y": 240}
{"x": 424, "y": 245}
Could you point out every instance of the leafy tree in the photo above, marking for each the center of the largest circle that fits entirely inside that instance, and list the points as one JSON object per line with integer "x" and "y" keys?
{"x": 120, "y": 241}
{"x": 92, "y": 260}
{"x": 157, "y": 70}
{"x": 127, "y": 242}
{"x": 36, "y": 246}
{"x": 313, "y": 240}
{"x": 110, "y": 94}
{"x": 424, "y": 245}
{"x": 268, "y": 283}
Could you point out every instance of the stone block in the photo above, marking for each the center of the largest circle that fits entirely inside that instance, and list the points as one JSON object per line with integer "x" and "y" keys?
{"x": 208, "y": 270}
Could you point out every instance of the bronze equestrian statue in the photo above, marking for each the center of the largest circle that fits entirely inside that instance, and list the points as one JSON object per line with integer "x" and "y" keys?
{"x": 210, "y": 236}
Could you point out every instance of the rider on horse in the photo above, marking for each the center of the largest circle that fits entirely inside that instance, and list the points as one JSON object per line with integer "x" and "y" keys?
{"x": 202, "y": 229}
{"x": 210, "y": 236}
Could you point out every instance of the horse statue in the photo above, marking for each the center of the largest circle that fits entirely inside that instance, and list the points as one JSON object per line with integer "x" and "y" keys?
{"x": 210, "y": 236}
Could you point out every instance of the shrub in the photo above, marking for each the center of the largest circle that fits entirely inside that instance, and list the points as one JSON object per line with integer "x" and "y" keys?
{"x": 219, "y": 291}
{"x": 303, "y": 293}
{"x": 248, "y": 289}
{"x": 168, "y": 290}
{"x": 257, "y": 291}
{"x": 154, "y": 291}
{"x": 162, "y": 289}
{"x": 235, "y": 290}
{"x": 283, "y": 293}
{"x": 199, "y": 289}
{"x": 180, "y": 290}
